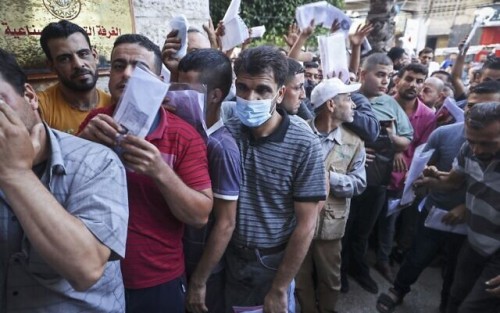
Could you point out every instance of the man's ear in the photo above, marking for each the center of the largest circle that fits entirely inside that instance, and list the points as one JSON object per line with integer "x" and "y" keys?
{"x": 362, "y": 75}
{"x": 330, "y": 104}
{"x": 215, "y": 96}
{"x": 396, "y": 79}
{"x": 30, "y": 96}
{"x": 281, "y": 94}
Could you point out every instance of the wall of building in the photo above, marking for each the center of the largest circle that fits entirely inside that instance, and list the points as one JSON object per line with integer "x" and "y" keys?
{"x": 152, "y": 20}
{"x": 152, "y": 16}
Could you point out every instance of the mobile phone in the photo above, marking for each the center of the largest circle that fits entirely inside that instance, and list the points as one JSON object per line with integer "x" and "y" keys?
{"x": 386, "y": 123}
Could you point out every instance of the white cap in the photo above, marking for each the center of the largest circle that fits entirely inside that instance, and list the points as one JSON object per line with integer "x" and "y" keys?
{"x": 328, "y": 89}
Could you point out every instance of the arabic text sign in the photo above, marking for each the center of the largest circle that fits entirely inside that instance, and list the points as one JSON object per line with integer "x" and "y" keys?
{"x": 22, "y": 21}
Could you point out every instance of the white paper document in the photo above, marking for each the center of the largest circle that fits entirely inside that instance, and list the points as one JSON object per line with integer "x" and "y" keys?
{"x": 140, "y": 102}
{"x": 165, "y": 73}
{"x": 417, "y": 166}
{"x": 323, "y": 14}
{"x": 333, "y": 56}
{"x": 451, "y": 105}
{"x": 180, "y": 23}
{"x": 258, "y": 31}
{"x": 235, "y": 29}
{"x": 434, "y": 218}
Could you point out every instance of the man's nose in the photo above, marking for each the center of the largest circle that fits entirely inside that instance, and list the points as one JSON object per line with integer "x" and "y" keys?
{"x": 128, "y": 70}
{"x": 77, "y": 62}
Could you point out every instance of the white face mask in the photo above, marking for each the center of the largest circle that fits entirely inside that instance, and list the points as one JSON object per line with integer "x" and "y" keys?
{"x": 253, "y": 113}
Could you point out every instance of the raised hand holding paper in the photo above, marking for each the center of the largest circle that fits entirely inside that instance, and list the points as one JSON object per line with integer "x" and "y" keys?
{"x": 180, "y": 23}
{"x": 332, "y": 50}
{"x": 236, "y": 31}
{"x": 323, "y": 14}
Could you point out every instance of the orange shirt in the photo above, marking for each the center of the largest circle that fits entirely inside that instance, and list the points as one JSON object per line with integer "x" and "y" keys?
{"x": 59, "y": 114}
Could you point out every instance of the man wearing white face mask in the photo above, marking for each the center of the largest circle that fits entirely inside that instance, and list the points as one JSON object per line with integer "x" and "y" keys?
{"x": 283, "y": 183}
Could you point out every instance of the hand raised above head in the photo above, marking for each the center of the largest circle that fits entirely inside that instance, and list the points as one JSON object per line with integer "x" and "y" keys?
{"x": 359, "y": 36}
{"x": 292, "y": 34}
{"x": 212, "y": 36}
{"x": 170, "y": 48}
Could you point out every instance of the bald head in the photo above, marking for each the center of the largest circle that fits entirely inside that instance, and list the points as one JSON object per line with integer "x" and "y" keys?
{"x": 435, "y": 82}
{"x": 432, "y": 93}
{"x": 197, "y": 40}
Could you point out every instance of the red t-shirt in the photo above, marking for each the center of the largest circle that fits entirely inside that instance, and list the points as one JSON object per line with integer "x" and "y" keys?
{"x": 154, "y": 252}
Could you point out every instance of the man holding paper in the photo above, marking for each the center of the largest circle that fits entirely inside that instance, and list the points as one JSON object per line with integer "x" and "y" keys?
{"x": 476, "y": 287}
{"x": 167, "y": 177}
{"x": 283, "y": 183}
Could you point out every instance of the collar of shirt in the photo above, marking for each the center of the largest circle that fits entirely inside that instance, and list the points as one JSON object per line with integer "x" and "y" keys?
{"x": 335, "y": 135}
{"x": 215, "y": 127}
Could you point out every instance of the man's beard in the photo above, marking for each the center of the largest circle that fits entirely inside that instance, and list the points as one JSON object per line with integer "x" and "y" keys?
{"x": 86, "y": 85}
{"x": 405, "y": 96}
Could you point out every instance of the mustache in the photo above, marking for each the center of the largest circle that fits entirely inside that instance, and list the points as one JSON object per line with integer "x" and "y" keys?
{"x": 81, "y": 71}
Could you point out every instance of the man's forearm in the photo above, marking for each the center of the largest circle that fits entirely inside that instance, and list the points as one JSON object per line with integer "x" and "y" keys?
{"x": 400, "y": 143}
{"x": 61, "y": 239}
{"x": 295, "y": 252}
{"x": 187, "y": 205}
{"x": 225, "y": 216}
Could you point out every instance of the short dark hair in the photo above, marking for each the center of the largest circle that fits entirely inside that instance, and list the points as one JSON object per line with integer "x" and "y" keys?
{"x": 375, "y": 59}
{"x": 61, "y": 29}
{"x": 294, "y": 68}
{"x": 486, "y": 87}
{"x": 214, "y": 68}
{"x": 415, "y": 68}
{"x": 395, "y": 53}
{"x": 492, "y": 63}
{"x": 11, "y": 72}
{"x": 445, "y": 73}
{"x": 425, "y": 50}
{"x": 260, "y": 60}
{"x": 311, "y": 64}
{"x": 144, "y": 42}
{"x": 482, "y": 114}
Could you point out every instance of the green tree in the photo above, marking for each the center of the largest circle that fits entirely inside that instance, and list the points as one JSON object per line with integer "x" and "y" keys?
{"x": 275, "y": 15}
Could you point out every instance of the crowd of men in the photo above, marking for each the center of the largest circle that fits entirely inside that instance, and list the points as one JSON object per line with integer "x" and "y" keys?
{"x": 276, "y": 203}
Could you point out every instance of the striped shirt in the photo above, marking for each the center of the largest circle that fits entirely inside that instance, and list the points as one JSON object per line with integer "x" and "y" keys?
{"x": 88, "y": 180}
{"x": 481, "y": 200}
{"x": 277, "y": 170}
{"x": 225, "y": 173}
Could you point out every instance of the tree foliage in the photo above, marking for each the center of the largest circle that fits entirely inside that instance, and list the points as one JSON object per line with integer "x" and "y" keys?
{"x": 276, "y": 15}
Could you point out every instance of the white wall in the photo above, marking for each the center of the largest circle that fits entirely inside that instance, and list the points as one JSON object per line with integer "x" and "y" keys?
{"x": 152, "y": 16}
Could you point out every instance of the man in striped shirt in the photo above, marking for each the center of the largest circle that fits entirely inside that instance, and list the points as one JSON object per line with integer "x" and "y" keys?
{"x": 476, "y": 287}
{"x": 283, "y": 179}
